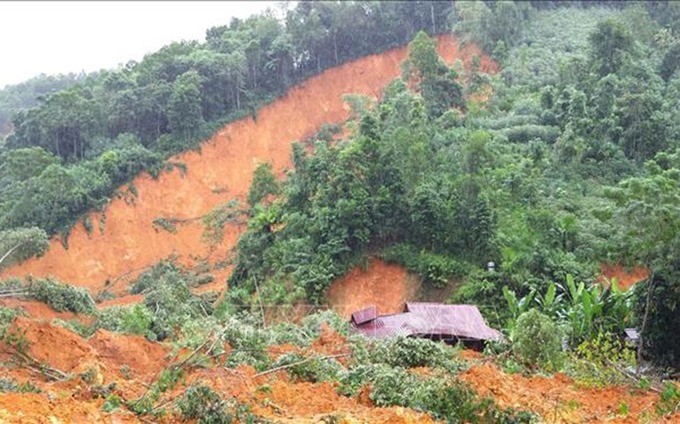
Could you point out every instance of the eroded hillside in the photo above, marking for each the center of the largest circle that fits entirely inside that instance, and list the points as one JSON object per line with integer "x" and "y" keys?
{"x": 124, "y": 240}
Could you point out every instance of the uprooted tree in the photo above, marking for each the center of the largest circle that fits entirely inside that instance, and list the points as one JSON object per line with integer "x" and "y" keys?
{"x": 19, "y": 244}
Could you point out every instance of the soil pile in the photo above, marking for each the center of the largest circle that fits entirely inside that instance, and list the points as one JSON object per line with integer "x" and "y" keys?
{"x": 383, "y": 285}
{"x": 559, "y": 399}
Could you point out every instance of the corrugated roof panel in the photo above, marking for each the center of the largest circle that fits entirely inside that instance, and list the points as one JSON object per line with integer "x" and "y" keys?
{"x": 432, "y": 319}
{"x": 365, "y": 315}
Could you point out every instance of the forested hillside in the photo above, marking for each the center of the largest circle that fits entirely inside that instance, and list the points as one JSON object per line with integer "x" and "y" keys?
{"x": 513, "y": 186}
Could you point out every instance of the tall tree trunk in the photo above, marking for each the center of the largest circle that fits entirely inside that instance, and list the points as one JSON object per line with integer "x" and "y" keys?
{"x": 434, "y": 25}
{"x": 641, "y": 333}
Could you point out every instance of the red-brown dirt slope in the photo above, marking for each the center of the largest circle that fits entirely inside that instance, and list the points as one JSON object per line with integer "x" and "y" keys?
{"x": 221, "y": 172}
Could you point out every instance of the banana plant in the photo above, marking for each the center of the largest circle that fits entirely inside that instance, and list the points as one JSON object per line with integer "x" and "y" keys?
{"x": 550, "y": 303}
{"x": 583, "y": 309}
{"x": 517, "y": 306}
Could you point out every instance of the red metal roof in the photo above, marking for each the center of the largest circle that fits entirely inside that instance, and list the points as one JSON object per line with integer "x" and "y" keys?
{"x": 431, "y": 319}
{"x": 365, "y": 315}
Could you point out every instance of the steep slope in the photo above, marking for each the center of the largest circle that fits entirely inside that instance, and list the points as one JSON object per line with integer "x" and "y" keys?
{"x": 128, "y": 242}
{"x": 386, "y": 286}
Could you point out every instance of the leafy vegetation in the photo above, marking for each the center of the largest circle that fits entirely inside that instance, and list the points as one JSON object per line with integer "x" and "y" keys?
{"x": 80, "y": 137}
{"x": 567, "y": 159}
{"x": 555, "y": 175}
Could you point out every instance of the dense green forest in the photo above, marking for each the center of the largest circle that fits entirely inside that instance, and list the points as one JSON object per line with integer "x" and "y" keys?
{"x": 571, "y": 162}
{"x": 82, "y": 142}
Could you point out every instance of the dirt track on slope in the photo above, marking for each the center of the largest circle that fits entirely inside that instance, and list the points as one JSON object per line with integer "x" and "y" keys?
{"x": 128, "y": 242}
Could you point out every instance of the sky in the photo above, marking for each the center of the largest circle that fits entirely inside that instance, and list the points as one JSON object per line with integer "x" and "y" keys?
{"x": 60, "y": 37}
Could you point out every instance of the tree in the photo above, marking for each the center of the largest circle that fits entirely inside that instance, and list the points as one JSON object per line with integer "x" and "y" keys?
{"x": 610, "y": 44}
{"x": 19, "y": 244}
{"x": 671, "y": 62}
{"x": 647, "y": 214}
{"x": 264, "y": 184}
{"x": 185, "y": 115}
{"x": 536, "y": 340}
{"x": 436, "y": 82}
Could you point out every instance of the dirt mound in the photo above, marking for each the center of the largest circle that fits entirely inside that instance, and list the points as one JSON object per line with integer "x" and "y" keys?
{"x": 124, "y": 240}
{"x": 626, "y": 278}
{"x": 35, "y": 408}
{"x": 36, "y": 309}
{"x": 320, "y": 402}
{"x": 558, "y": 399}
{"x": 384, "y": 285}
{"x": 53, "y": 345}
{"x": 140, "y": 356}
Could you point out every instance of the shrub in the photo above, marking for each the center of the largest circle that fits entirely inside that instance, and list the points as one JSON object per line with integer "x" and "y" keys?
{"x": 312, "y": 323}
{"x": 201, "y": 403}
{"x": 61, "y": 297}
{"x": 602, "y": 361}
{"x": 311, "y": 370}
{"x": 431, "y": 267}
{"x": 410, "y": 352}
{"x": 536, "y": 340}
{"x": 445, "y": 399}
{"x": 134, "y": 319}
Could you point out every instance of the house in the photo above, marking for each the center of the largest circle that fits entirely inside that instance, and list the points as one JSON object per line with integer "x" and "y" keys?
{"x": 437, "y": 321}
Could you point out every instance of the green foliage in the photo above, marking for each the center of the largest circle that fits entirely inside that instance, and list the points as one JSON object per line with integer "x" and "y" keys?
{"x": 309, "y": 369}
{"x": 407, "y": 352}
{"x": 202, "y": 404}
{"x": 312, "y": 323}
{"x": 492, "y": 25}
{"x": 669, "y": 402}
{"x": 536, "y": 341}
{"x": 136, "y": 319}
{"x": 445, "y": 399}
{"x": 433, "y": 268}
{"x": 602, "y": 361}
{"x": 659, "y": 344}
{"x": 10, "y": 385}
{"x": 610, "y": 44}
{"x": 584, "y": 311}
{"x": 437, "y": 83}
{"x": 110, "y": 125}
{"x": 215, "y": 220}
{"x": 60, "y": 296}
{"x": 165, "y": 224}
{"x": 167, "y": 293}
{"x": 264, "y": 184}
{"x": 20, "y": 244}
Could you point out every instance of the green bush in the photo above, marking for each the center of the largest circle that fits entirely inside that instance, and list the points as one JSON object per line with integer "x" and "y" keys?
{"x": 134, "y": 319}
{"x": 445, "y": 399}
{"x": 309, "y": 369}
{"x": 61, "y": 297}
{"x": 312, "y": 323}
{"x": 601, "y": 362}
{"x": 202, "y": 404}
{"x": 536, "y": 341}
{"x": 410, "y": 352}
{"x": 433, "y": 268}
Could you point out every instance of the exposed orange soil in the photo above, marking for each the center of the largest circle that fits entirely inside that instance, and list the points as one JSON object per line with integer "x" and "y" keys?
{"x": 129, "y": 299}
{"x": 222, "y": 171}
{"x": 626, "y": 278}
{"x": 141, "y": 356}
{"x": 386, "y": 286}
{"x": 558, "y": 399}
{"x": 275, "y": 396}
{"x": 53, "y": 345}
{"x": 38, "y": 309}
